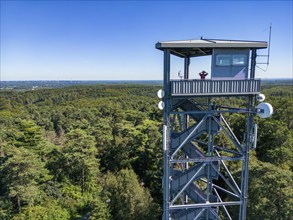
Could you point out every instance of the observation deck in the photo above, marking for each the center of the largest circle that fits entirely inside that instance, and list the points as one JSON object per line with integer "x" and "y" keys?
{"x": 187, "y": 87}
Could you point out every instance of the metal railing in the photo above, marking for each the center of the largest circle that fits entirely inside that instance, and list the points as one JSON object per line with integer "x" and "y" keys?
{"x": 214, "y": 87}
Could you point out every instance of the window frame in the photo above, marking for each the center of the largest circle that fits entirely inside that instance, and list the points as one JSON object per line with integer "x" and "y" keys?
{"x": 223, "y": 55}
{"x": 239, "y": 55}
{"x": 231, "y": 60}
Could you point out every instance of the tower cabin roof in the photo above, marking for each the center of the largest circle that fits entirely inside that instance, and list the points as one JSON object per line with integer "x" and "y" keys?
{"x": 203, "y": 47}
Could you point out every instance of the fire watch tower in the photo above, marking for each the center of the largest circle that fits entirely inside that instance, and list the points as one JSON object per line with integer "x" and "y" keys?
{"x": 197, "y": 182}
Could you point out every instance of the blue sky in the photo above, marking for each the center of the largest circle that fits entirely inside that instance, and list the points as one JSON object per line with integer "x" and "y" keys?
{"x": 115, "y": 40}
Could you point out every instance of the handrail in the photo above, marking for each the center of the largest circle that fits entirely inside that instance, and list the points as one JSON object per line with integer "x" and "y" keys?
{"x": 214, "y": 87}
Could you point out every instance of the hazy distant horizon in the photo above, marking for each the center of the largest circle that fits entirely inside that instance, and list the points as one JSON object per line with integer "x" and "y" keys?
{"x": 113, "y": 80}
{"x": 25, "y": 85}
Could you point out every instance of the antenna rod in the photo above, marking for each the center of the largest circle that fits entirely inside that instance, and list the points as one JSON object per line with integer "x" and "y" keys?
{"x": 269, "y": 43}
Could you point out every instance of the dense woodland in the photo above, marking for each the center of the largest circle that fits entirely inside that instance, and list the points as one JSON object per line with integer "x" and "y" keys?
{"x": 94, "y": 152}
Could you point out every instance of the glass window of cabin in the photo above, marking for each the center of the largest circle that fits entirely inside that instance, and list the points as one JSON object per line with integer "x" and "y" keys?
{"x": 223, "y": 60}
{"x": 239, "y": 60}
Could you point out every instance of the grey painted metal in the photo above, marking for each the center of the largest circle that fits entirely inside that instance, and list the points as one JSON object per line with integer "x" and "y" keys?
{"x": 229, "y": 174}
{"x": 206, "y": 159}
{"x": 245, "y": 164}
{"x": 235, "y": 153}
{"x": 164, "y": 138}
{"x": 230, "y": 135}
{"x": 188, "y": 183}
{"x": 226, "y": 191}
{"x": 199, "y": 215}
{"x": 194, "y": 130}
{"x": 255, "y": 128}
{"x": 218, "y": 111}
{"x": 235, "y": 190}
{"x": 203, "y": 47}
{"x": 209, "y": 154}
{"x": 214, "y": 213}
{"x": 184, "y": 187}
{"x": 224, "y": 207}
{"x": 186, "y": 105}
{"x": 186, "y": 67}
{"x": 192, "y": 151}
{"x": 193, "y": 164}
{"x": 166, "y": 99}
{"x": 253, "y": 63}
{"x": 205, "y": 205}
{"x": 195, "y": 172}
{"x": 214, "y": 87}
{"x": 185, "y": 118}
{"x": 231, "y": 132}
{"x": 235, "y": 68}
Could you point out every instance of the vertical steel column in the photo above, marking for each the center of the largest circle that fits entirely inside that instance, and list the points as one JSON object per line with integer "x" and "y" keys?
{"x": 186, "y": 76}
{"x": 185, "y": 120}
{"x": 166, "y": 136}
{"x": 253, "y": 64}
{"x": 186, "y": 67}
{"x": 209, "y": 154}
{"x": 245, "y": 164}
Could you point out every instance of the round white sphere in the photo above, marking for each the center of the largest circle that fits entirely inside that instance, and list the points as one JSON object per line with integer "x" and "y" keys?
{"x": 260, "y": 97}
{"x": 161, "y": 93}
{"x": 161, "y": 105}
{"x": 267, "y": 110}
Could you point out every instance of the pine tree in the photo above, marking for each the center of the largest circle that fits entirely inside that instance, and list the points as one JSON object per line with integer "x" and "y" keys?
{"x": 22, "y": 174}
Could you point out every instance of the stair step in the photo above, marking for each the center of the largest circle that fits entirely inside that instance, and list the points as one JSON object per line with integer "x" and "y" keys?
{"x": 187, "y": 106}
{"x": 178, "y": 138}
{"x": 178, "y": 182}
{"x": 192, "y": 151}
{"x": 195, "y": 194}
{"x": 190, "y": 214}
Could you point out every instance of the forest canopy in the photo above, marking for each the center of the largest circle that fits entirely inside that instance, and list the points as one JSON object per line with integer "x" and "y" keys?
{"x": 95, "y": 152}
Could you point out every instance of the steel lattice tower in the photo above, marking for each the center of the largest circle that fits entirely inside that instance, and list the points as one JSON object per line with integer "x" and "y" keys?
{"x": 197, "y": 181}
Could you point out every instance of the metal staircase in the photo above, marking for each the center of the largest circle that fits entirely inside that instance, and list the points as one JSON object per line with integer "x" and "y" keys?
{"x": 183, "y": 181}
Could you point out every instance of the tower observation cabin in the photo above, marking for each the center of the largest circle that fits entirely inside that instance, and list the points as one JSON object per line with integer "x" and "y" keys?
{"x": 199, "y": 144}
